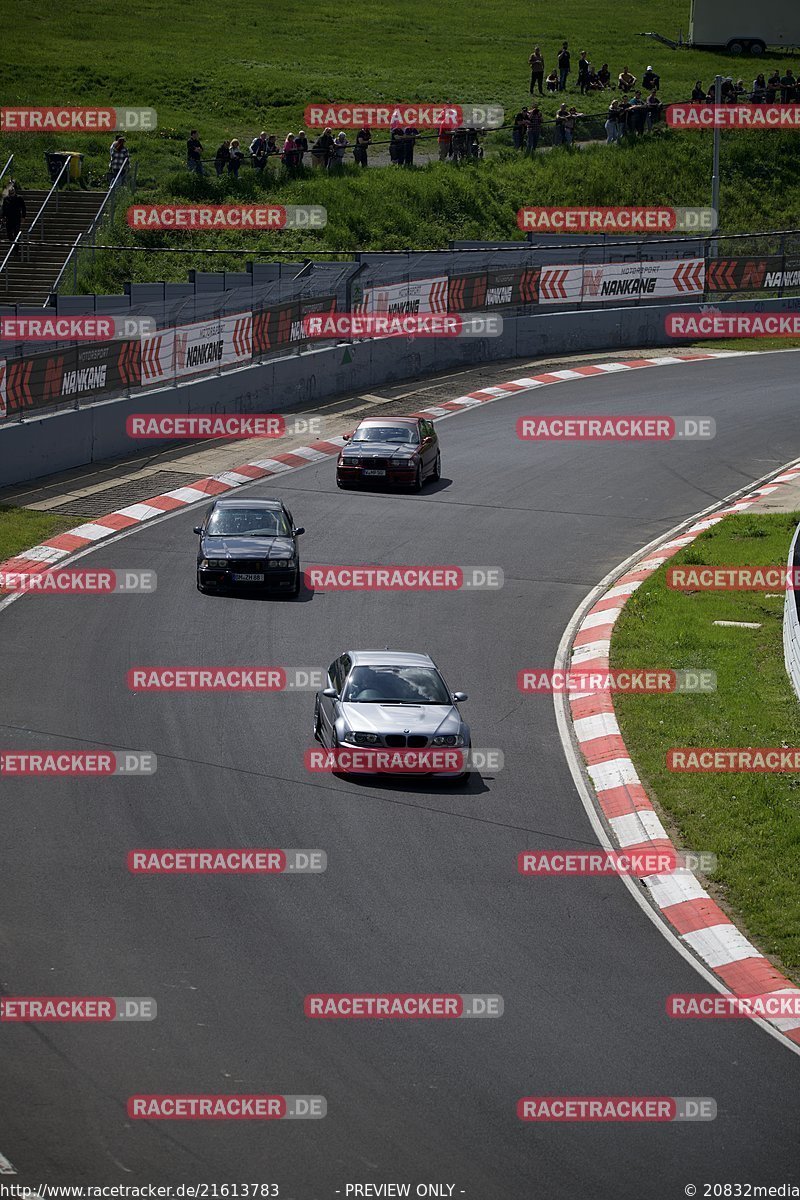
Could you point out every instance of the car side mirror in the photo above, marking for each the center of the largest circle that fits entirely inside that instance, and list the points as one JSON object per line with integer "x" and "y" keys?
{"x": 198, "y": 529}
{"x": 460, "y": 696}
{"x": 331, "y": 693}
{"x": 299, "y": 530}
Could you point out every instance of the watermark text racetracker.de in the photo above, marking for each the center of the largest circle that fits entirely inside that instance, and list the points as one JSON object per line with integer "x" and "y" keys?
{"x": 616, "y": 220}
{"x": 168, "y": 677}
{"x": 403, "y": 578}
{"x": 190, "y": 427}
{"x": 615, "y": 428}
{"x": 71, "y": 581}
{"x": 659, "y": 1109}
{"x": 241, "y": 860}
{"x": 599, "y": 862}
{"x": 443, "y": 757}
{"x": 733, "y": 578}
{"x": 578, "y": 681}
{"x": 77, "y": 1008}
{"x": 54, "y": 764}
{"x": 407, "y": 115}
{"x": 346, "y": 326}
{"x": 388, "y": 1006}
{"x": 210, "y": 218}
{"x": 75, "y": 328}
{"x": 226, "y": 1107}
{"x": 72, "y": 119}
{"x": 713, "y": 324}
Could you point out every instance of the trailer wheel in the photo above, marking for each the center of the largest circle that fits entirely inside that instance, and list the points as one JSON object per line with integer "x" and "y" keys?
{"x": 736, "y": 47}
{"x": 757, "y": 48}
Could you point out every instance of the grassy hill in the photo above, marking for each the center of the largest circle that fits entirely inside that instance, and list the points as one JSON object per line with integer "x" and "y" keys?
{"x": 233, "y": 71}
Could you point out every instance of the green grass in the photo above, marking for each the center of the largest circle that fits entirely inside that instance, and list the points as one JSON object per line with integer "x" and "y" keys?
{"x": 749, "y": 344}
{"x": 233, "y": 72}
{"x": 752, "y": 822}
{"x": 21, "y": 528}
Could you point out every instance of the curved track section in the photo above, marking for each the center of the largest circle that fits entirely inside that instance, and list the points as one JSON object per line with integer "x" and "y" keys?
{"x": 421, "y": 892}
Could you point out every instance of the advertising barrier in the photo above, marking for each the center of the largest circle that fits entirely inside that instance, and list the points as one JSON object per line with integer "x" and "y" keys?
{"x": 410, "y": 298}
{"x": 91, "y": 369}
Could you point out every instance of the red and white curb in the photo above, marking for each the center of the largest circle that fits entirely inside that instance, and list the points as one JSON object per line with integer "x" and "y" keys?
{"x": 698, "y": 921}
{"x": 57, "y": 549}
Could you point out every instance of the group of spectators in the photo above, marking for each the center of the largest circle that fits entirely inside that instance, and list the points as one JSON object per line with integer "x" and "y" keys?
{"x": 783, "y": 88}
{"x": 326, "y": 152}
{"x": 590, "y": 78}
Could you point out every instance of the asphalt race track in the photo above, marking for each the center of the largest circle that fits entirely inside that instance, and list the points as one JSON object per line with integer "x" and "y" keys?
{"x": 421, "y": 891}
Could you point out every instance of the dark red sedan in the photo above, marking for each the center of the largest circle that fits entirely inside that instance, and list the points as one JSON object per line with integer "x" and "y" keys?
{"x": 394, "y": 451}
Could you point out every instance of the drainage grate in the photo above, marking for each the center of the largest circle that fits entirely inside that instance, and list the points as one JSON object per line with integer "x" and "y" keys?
{"x": 110, "y": 499}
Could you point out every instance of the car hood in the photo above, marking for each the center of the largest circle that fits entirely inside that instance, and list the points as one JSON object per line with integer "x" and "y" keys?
{"x": 379, "y": 449}
{"x": 246, "y": 547}
{"x": 426, "y": 719}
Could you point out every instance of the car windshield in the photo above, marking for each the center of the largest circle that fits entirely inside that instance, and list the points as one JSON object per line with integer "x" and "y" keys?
{"x": 386, "y": 433}
{"x": 248, "y": 522}
{"x": 395, "y": 685}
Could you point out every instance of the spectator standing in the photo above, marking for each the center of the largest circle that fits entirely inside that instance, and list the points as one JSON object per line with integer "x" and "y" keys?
{"x": 459, "y": 143}
{"x": 564, "y": 59}
{"x": 519, "y": 130}
{"x": 289, "y": 155}
{"x": 558, "y": 133}
{"x": 651, "y": 82}
{"x": 13, "y": 210}
{"x": 759, "y": 89}
{"x": 301, "y": 142}
{"x": 194, "y": 153}
{"x": 570, "y": 125}
{"x": 337, "y": 152}
{"x": 624, "y": 116}
{"x": 397, "y": 152}
{"x": 235, "y": 158}
{"x": 773, "y": 83}
{"x": 698, "y": 92}
{"x": 119, "y": 159}
{"x": 258, "y": 151}
{"x": 625, "y": 81}
{"x": 612, "y": 123}
{"x": 637, "y": 114}
{"x": 363, "y": 139}
{"x": 652, "y": 110}
{"x": 536, "y": 62}
{"x": 410, "y": 135}
{"x": 223, "y": 156}
{"x": 584, "y": 67}
{"x": 445, "y": 141}
{"x": 272, "y": 146}
{"x": 321, "y": 150}
{"x": 534, "y": 128}
{"x": 788, "y": 86}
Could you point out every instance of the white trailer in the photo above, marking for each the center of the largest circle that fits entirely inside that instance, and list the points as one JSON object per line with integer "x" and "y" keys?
{"x": 744, "y": 27}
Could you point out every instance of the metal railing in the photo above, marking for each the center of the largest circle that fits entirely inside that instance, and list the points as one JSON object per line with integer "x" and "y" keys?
{"x": 125, "y": 176}
{"x": 8, "y": 164}
{"x": 22, "y": 240}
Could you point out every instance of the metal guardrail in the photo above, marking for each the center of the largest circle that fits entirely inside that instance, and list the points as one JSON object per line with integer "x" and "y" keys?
{"x": 125, "y": 176}
{"x": 8, "y": 164}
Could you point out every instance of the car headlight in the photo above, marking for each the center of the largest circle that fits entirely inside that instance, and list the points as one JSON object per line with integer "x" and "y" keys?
{"x": 405, "y": 460}
{"x": 449, "y": 739}
{"x": 213, "y": 562}
{"x": 349, "y": 460}
{"x": 279, "y": 562}
{"x": 361, "y": 739}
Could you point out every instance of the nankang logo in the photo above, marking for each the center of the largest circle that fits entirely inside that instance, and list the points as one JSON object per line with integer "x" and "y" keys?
{"x": 197, "y": 356}
{"x": 83, "y": 381}
{"x": 499, "y": 295}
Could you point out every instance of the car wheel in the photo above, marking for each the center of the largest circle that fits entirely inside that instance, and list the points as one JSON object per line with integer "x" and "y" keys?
{"x": 437, "y": 468}
{"x": 417, "y": 484}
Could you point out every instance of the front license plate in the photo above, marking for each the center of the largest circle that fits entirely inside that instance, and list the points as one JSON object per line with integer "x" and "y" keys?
{"x": 374, "y": 472}
{"x": 248, "y": 578}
